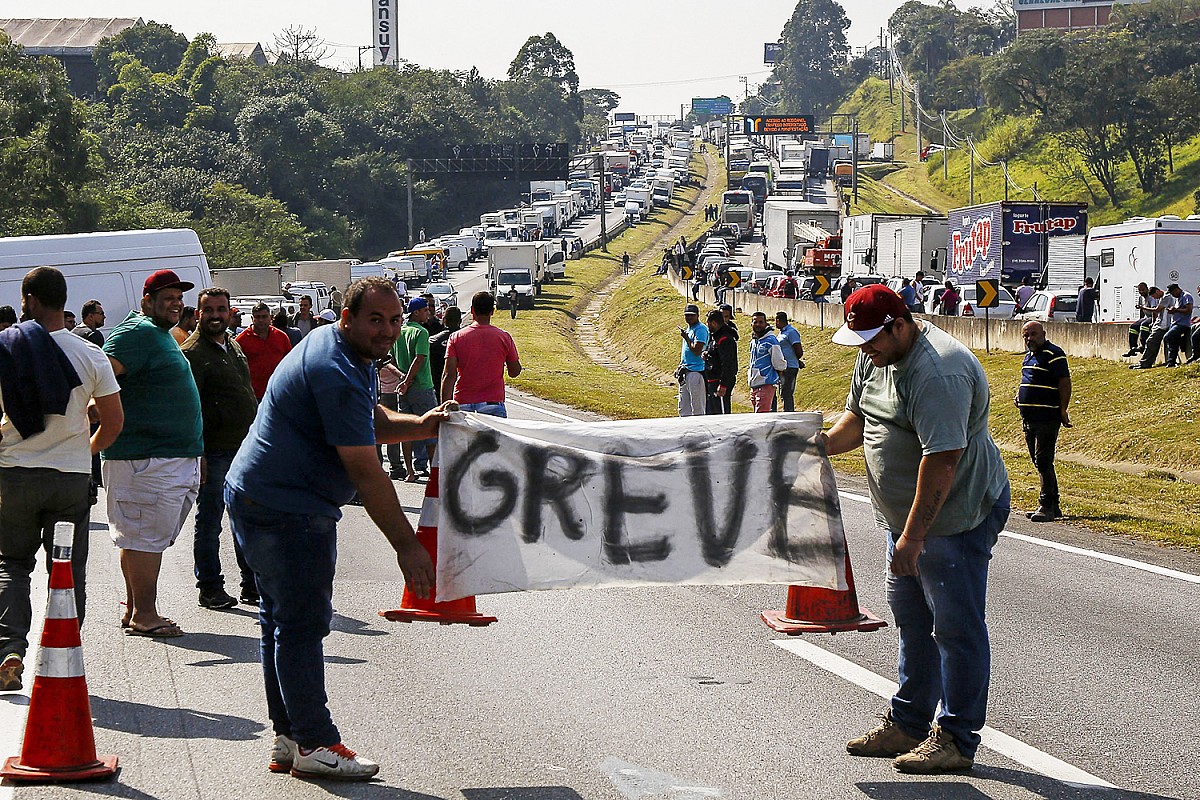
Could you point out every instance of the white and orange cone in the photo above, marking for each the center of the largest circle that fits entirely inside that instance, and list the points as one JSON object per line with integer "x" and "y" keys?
{"x": 59, "y": 743}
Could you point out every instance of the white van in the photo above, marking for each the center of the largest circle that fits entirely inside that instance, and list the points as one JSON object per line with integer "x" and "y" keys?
{"x": 110, "y": 267}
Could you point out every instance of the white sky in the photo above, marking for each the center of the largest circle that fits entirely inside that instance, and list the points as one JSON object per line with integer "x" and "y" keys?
{"x": 656, "y": 54}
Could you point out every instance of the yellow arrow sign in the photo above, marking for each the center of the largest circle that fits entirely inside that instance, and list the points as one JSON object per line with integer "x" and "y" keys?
{"x": 735, "y": 279}
{"x": 820, "y": 286}
{"x": 987, "y": 294}
{"x": 686, "y": 272}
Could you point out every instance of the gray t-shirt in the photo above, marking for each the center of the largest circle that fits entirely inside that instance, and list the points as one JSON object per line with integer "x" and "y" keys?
{"x": 933, "y": 400}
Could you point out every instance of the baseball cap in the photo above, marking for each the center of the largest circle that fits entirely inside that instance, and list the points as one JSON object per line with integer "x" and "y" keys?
{"x": 417, "y": 303}
{"x": 867, "y": 310}
{"x": 165, "y": 279}
{"x": 328, "y": 315}
{"x": 725, "y": 307}
{"x": 691, "y": 308}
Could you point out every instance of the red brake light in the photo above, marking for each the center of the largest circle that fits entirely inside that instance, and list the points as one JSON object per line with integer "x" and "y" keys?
{"x": 1050, "y": 310}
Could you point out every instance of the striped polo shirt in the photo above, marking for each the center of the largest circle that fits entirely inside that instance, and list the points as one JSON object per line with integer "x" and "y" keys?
{"x": 1041, "y": 373}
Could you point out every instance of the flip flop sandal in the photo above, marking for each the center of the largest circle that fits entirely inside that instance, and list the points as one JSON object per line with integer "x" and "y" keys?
{"x": 168, "y": 630}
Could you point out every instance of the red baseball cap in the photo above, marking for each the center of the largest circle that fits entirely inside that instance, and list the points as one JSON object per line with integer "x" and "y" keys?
{"x": 867, "y": 311}
{"x": 165, "y": 279}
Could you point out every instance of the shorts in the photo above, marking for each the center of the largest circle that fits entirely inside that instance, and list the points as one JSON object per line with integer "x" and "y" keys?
{"x": 149, "y": 499}
{"x": 418, "y": 402}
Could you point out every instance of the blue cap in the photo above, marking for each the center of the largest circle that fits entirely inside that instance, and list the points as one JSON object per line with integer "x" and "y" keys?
{"x": 416, "y": 304}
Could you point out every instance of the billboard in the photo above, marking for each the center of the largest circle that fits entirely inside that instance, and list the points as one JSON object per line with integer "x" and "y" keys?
{"x": 712, "y": 105}
{"x": 775, "y": 125}
{"x": 384, "y": 26}
{"x": 624, "y": 116}
{"x": 771, "y": 52}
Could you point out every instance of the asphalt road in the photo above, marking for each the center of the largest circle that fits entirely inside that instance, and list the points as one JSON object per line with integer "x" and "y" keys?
{"x": 676, "y": 693}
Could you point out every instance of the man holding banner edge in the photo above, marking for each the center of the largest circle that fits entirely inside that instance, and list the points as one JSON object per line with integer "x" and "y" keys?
{"x": 918, "y": 406}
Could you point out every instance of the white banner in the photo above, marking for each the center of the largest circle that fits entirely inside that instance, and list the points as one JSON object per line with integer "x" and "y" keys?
{"x": 745, "y": 498}
{"x": 385, "y": 32}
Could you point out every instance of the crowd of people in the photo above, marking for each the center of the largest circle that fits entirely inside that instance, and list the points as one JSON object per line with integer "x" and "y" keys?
{"x": 1169, "y": 321}
{"x": 279, "y": 432}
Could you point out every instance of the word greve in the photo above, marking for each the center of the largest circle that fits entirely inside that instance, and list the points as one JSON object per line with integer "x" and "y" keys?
{"x": 541, "y": 505}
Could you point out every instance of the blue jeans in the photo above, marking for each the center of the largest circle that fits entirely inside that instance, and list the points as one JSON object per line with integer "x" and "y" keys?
{"x": 210, "y": 508}
{"x": 293, "y": 557}
{"x": 944, "y": 651}
{"x": 1176, "y": 335}
{"x": 491, "y": 409}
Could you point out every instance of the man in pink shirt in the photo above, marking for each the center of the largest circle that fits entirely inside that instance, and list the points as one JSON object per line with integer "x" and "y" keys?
{"x": 476, "y": 357}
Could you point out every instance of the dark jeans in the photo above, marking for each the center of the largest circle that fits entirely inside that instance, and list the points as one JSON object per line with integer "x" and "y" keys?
{"x": 293, "y": 557}
{"x": 390, "y": 401}
{"x": 1041, "y": 437}
{"x": 787, "y": 387}
{"x": 719, "y": 405}
{"x": 1153, "y": 341}
{"x": 1174, "y": 339}
{"x": 210, "y": 509}
{"x": 945, "y": 656}
{"x": 31, "y": 501}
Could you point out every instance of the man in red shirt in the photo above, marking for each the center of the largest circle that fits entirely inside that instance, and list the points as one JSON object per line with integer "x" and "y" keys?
{"x": 476, "y": 357}
{"x": 264, "y": 346}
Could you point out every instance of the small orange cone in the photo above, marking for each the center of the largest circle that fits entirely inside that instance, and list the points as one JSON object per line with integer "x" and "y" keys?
{"x": 422, "y": 609}
{"x": 815, "y": 610}
{"x": 59, "y": 742}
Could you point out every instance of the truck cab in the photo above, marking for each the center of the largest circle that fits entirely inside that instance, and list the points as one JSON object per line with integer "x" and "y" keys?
{"x": 510, "y": 280}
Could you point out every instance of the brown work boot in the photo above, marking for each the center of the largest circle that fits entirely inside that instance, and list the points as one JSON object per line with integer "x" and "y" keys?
{"x": 935, "y": 755}
{"x": 10, "y": 672}
{"x": 884, "y": 741}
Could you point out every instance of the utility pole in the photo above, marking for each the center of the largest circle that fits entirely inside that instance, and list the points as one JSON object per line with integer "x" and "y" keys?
{"x": 362, "y": 48}
{"x": 1004, "y": 164}
{"x": 603, "y": 204}
{"x": 971, "y": 147}
{"x": 917, "y": 116}
{"x": 945, "y": 148}
{"x": 854, "y": 158}
{"x": 409, "y": 163}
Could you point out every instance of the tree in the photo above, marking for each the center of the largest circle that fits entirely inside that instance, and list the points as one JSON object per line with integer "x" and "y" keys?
{"x": 157, "y": 46}
{"x": 813, "y": 55}
{"x": 545, "y": 57}
{"x": 299, "y": 45}
{"x": 239, "y": 229}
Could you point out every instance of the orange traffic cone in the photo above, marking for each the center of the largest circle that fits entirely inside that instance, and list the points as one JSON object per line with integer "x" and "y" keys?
{"x": 420, "y": 609}
{"x": 59, "y": 742}
{"x": 815, "y": 610}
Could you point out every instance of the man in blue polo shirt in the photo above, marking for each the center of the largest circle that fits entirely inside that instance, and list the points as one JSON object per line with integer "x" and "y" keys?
{"x": 311, "y": 447}
{"x": 1044, "y": 400}
{"x": 693, "y": 397}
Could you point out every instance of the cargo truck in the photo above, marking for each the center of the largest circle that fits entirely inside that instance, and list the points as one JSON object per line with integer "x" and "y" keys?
{"x": 617, "y": 163}
{"x": 737, "y": 208}
{"x": 779, "y": 217}
{"x": 643, "y": 197}
{"x": 540, "y": 191}
{"x": 242, "y": 281}
{"x": 908, "y": 245}
{"x": 860, "y": 243}
{"x": 818, "y": 162}
{"x": 331, "y": 272}
{"x": 1011, "y": 240}
{"x": 1156, "y": 250}
{"x": 552, "y": 220}
{"x": 531, "y": 256}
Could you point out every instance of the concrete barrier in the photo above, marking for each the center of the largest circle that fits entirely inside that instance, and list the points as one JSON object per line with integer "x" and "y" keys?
{"x": 1084, "y": 340}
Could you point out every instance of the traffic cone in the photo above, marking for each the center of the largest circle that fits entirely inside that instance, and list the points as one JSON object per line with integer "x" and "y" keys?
{"x": 816, "y": 610}
{"x": 422, "y": 609}
{"x": 59, "y": 743}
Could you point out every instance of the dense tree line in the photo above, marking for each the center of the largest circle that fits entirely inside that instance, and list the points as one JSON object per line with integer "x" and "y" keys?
{"x": 266, "y": 163}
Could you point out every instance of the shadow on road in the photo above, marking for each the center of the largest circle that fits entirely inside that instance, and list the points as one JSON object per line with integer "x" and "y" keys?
{"x": 113, "y": 789}
{"x": 232, "y": 648}
{"x": 523, "y": 793}
{"x": 172, "y": 723}
{"x": 1039, "y": 785}
{"x": 354, "y": 627}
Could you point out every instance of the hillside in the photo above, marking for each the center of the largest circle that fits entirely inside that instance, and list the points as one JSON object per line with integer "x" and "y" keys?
{"x": 1033, "y": 160}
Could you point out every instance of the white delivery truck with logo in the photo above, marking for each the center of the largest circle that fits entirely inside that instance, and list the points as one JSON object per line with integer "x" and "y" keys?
{"x": 110, "y": 267}
{"x": 1158, "y": 251}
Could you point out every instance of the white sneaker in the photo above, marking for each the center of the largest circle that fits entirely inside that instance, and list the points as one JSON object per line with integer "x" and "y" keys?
{"x": 337, "y": 762}
{"x": 283, "y": 753}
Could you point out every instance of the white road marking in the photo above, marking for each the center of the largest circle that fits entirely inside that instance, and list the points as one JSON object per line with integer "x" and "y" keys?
{"x": 993, "y": 739}
{"x": 1079, "y": 551}
{"x": 636, "y": 782}
{"x": 541, "y": 410}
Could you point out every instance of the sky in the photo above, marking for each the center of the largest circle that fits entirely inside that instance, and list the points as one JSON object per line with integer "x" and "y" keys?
{"x": 673, "y": 51}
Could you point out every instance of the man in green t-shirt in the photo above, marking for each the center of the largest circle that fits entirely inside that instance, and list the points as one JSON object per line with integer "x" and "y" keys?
{"x": 416, "y": 393}
{"x": 152, "y": 470}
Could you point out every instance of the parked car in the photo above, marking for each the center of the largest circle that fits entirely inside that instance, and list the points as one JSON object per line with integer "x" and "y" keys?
{"x": 762, "y": 279}
{"x": 1057, "y": 305}
{"x": 967, "y": 305}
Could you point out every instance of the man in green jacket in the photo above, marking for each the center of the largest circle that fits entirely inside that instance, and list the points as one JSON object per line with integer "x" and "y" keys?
{"x": 228, "y": 406}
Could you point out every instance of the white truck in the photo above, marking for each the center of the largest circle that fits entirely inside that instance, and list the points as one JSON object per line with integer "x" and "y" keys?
{"x": 242, "y": 281}
{"x": 530, "y": 256}
{"x": 476, "y": 234}
{"x": 643, "y": 197}
{"x": 860, "y": 243}
{"x": 110, "y": 267}
{"x": 908, "y": 245}
{"x": 491, "y": 219}
{"x": 572, "y": 207}
{"x": 541, "y": 191}
{"x": 531, "y": 221}
{"x": 331, "y": 272}
{"x": 1156, "y": 250}
{"x": 513, "y": 280}
{"x": 552, "y": 220}
{"x": 666, "y": 184}
{"x": 779, "y": 214}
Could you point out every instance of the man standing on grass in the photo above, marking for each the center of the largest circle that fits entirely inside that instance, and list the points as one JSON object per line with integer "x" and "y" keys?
{"x": 793, "y": 351}
{"x": 918, "y": 406}
{"x": 693, "y": 399}
{"x": 416, "y": 392}
{"x": 1044, "y": 400}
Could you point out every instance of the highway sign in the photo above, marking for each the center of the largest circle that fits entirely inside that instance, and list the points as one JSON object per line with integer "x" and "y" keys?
{"x": 624, "y": 116}
{"x": 774, "y": 125}
{"x": 735, "y": 279}
{"x": 987, "y": 294}
{"x": 771, "y": 52}
{"x": 712, "y": 105}
{"x": 820, "y": 286}
{"x": 686, "y": 272}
